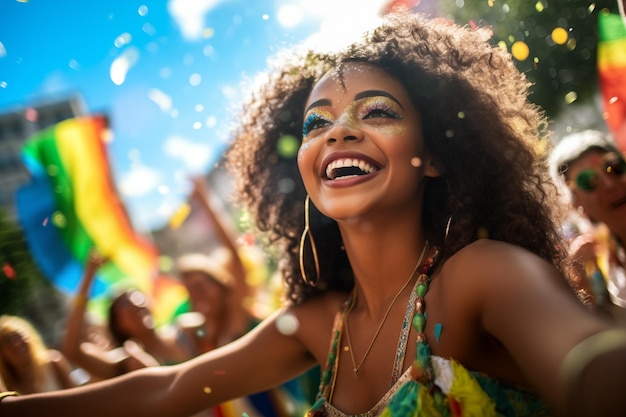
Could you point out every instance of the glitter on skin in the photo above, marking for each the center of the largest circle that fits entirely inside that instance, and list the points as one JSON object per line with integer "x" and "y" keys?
{"x": 355, "y": 116}
{"x": 416, "y": 162}
{"x": 207, "y": 390}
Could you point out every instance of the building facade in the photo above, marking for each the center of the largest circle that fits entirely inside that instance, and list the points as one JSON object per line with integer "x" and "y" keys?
{"x": 16, "y": 126}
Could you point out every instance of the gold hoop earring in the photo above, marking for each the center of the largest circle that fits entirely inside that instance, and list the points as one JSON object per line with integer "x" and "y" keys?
{"x": 445, "y": 239}
{"x": 307, "y": 232}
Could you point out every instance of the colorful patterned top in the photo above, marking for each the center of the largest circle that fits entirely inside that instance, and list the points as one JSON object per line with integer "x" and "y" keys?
{"x": 432, "y": 386}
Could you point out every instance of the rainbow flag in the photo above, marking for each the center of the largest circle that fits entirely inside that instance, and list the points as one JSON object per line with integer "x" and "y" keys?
{"x": 71, "y": 205}
{"x": 612, "y": 73}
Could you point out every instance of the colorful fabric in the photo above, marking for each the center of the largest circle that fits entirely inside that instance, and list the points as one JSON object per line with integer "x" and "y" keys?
{"x": 71, "y": 206}
{"x": 612, "y": 73}
{"x": 455, "y": 391}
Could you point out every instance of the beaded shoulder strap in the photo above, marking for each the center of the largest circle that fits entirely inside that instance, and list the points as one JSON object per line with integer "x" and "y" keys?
{"x": 404, "y": 336}
{"x": 325, "y": 388}
{"x": 422, "y": 369}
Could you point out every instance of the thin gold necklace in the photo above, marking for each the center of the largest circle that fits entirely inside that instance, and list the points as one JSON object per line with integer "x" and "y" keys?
{"x": 355, "y": 367}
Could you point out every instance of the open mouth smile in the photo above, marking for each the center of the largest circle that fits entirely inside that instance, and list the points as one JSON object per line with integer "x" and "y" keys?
{"x": 344, "y": 168}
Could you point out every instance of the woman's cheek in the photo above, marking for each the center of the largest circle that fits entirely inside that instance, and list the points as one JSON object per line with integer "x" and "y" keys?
{"x": 305, "y": 147}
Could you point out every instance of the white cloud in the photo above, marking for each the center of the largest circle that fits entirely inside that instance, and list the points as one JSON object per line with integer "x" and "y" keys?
{"x": 340, "y": 21}
{"x": 190, "y": 14}
{"x": 153, "y": 212}
{"x": 195, "y": 156}
{"x": 289, "y": 15}
{"x": 139, "y": 181}
{"x": 349, "y": 11}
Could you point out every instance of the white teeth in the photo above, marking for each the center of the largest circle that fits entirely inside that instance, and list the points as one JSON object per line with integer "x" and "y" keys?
{"x": 348, "y": 162}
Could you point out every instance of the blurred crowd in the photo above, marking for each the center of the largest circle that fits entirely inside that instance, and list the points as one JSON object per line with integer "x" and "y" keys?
{"x": 224, "y": 302}
{"x": 589, "y": 173}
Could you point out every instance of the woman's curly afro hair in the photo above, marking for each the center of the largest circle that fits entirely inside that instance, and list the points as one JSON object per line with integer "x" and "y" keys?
{"x": 485, "y": 136}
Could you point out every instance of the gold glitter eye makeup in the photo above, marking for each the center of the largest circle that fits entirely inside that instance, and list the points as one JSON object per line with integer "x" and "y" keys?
{"x": 371, "y": 109}
{"x": 379, "y": 107}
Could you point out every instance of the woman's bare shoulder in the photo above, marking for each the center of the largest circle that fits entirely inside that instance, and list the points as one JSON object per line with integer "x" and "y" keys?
{"x": 332, "y": 300}
{"x": 319, "y": 311}
{"x": 488, "y": 270}
{"x": 487, "y": 259}
{"x": 315, "y": 319}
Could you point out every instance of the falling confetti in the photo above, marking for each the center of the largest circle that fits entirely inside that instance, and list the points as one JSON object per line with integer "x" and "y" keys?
{"x": 31, "y": 114}
{"x": 58, "y": 219}
{"x": 539, "y": 6}
{"x": 179, "y": 217}
{"x": 8, "y": 270}
{"x": 287, "y": 146}
{"x": 438, "y": 327}
{"x": 520, "y": 50}
{"x": 287, "y": 324}
{"x": 559, "y": 36}
{"x": 571, "y": 97}
{"x": 122, "y": 64}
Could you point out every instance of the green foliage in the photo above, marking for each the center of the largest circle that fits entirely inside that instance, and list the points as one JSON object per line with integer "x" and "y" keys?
{"x": 19, "y": 275}
{"x": 560, "y": 73}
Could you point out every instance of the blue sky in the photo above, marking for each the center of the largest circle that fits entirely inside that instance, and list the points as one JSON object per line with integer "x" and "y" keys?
{"x": 167, "y": 72}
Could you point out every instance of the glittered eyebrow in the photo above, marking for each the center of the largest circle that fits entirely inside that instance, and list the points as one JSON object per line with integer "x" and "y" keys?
{"x": 377, "y": 93}
{"x": 319, "y": 103}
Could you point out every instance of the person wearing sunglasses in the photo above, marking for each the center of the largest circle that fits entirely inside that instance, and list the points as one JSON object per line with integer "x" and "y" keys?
{"x": 591, "y": 172}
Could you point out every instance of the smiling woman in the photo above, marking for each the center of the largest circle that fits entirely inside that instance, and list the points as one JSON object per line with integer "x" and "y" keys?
{"x": 26, "y": 364}
{"x": 428, "y": 281}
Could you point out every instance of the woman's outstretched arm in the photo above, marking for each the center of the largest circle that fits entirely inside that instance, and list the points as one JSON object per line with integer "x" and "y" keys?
{"x": 262, "y": 359}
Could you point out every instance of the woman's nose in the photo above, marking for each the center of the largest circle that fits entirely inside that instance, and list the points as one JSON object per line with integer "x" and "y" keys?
{"x": 341, "y": 134}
